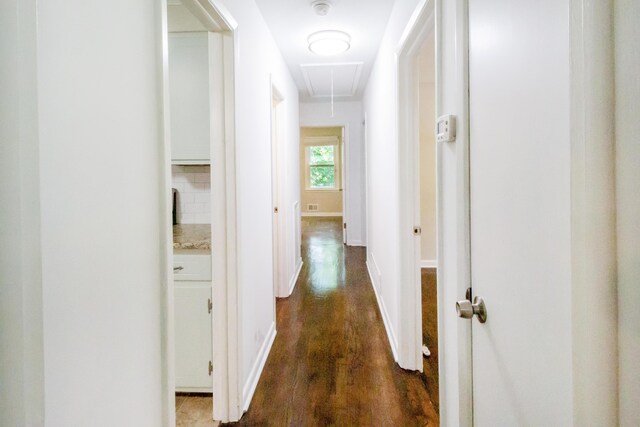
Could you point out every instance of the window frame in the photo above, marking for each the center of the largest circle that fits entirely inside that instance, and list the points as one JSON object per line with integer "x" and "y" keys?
{"x": 317, "y": 141}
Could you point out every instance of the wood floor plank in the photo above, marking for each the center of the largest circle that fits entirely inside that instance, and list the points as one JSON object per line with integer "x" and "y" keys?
{"x": 331, "y": 363}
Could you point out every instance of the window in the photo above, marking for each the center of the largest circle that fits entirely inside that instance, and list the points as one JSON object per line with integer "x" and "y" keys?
{"x": 322, "y": 163}
{"x": 322, "y": 166}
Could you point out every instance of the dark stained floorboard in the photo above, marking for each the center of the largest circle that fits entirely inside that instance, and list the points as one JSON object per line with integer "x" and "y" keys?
{"x": 331, "y": 364}
{"x": 430, "y": 332}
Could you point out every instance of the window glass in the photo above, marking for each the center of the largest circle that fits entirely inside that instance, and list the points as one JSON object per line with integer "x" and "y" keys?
{"x": 322, "y": 166}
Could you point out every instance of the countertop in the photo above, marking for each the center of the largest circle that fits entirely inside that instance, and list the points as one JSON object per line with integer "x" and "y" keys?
{"x": 192, "y": 236}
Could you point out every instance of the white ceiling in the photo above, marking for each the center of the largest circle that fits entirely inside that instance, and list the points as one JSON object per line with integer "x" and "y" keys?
{"x": 291, "y": 22}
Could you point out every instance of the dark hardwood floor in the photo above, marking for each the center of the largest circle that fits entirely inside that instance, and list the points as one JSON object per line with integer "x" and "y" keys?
{"x": 430, "y": 332}
{"x": 331, "y": 363}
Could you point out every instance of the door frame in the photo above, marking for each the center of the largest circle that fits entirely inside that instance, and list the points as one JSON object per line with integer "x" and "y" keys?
{"x": 227, "y": 387}
{"x": 455, "y": 379}
{"x": 343, "y": 165}
{"x": 410, "y": 331}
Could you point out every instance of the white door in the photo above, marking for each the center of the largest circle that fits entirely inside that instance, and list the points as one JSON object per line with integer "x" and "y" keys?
{"x": 275, "y": 179}
{"x": 343, "y": 193}
{"x": 520, "y": 205}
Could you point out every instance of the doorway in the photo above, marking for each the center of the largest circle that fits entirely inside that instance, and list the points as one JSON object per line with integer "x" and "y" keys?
{"x": 426, "y": 176}
{"x": 418, "y": 88}
{"x": 322, "y": 172}
{"x": 201, "y": 321}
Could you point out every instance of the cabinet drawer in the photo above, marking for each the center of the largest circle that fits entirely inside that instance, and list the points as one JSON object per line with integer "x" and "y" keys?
{"x": 191, "y": 267}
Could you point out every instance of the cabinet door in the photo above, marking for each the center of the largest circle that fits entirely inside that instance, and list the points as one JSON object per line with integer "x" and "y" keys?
{"x": 189, "y": 100}
{"x": 193, "y": 336}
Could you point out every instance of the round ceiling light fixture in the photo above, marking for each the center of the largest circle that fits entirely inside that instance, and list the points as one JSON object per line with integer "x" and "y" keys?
{"x": 321, "y": 7}
{"x": 329, "y": 42}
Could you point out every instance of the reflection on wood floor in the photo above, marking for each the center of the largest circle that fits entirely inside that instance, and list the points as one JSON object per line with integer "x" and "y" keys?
{"x": 331, "y": 363}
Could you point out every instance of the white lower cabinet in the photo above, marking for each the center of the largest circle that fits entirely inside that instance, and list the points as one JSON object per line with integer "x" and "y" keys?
{"x": 193, "y": 339}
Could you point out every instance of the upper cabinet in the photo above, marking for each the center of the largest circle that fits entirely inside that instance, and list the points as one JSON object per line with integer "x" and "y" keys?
{"x": 191, "y": 73}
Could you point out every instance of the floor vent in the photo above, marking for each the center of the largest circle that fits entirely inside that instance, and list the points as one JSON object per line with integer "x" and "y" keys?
{"x": 312, "y": 207}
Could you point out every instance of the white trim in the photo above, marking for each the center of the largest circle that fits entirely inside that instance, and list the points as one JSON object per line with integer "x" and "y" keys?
{"x": 452, "y": 93}
{"x": 429, "y": 263}
{"x": 167, "y": 325}
{"x": 190, "y": 162}
{"x": 252, "y": 381}
{"x": 593, "y": 214}
{"x": 393, "y": 342}
{"x": 327, "y": 214}
{"x": 294, "y": 278}
{"x": 355, "y": 243}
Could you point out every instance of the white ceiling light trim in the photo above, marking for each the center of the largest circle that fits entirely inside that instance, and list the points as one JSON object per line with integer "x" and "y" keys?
{"x": 329, "y": 42}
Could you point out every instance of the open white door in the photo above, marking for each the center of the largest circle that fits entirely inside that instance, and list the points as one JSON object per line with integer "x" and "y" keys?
{"x": 279, "y": 289}
{"x": 520, "y": 212}
{"x": 343, "y": 176}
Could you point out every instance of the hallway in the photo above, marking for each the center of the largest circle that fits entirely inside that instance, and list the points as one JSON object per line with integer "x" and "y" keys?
{"x": 330, "y": 363}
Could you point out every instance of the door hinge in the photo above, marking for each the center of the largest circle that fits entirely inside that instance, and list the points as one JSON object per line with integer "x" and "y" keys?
{"x": 417, "y": 231}
{"x": 344, "y": 225}
{"x": 209, "y": 305}
{"x": 210, "y": 367}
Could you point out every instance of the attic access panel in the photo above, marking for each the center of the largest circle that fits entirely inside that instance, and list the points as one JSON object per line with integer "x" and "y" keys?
{"x": 346, "y": 79}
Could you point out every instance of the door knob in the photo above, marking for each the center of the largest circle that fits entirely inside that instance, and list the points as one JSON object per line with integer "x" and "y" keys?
{"x": 466, "y": 309}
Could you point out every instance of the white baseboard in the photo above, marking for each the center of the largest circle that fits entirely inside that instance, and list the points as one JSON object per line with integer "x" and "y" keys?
{"x": 393, "y": 343}
{"x": 429, "y": 263}
{"x": 252, "y": 382}
{"x": 321, "y": 213}
{"x": 355, "y": 243}
{"x": 294, "y": 278}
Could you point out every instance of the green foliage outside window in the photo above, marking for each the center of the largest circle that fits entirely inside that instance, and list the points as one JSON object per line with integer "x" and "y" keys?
{"x": 322, "y": 166}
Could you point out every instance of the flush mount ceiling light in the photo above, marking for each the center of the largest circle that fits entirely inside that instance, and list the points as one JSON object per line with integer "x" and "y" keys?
{"x": 321, "y": 7}
{"x": 329, "y": 42}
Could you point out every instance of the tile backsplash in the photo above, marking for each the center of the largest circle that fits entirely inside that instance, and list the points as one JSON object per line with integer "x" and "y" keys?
{"x": 194, "y": 193}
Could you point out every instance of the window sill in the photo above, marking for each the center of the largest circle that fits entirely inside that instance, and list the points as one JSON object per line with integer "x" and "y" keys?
{"x": 336, "y": 190}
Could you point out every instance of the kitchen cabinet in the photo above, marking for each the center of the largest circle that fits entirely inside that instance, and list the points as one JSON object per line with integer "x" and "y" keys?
{"x": 192, "y": 69}
{"x": 193, "y": 327}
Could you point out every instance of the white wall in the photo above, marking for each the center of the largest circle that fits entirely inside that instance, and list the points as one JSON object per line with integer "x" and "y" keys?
{"x": 96, "y": 148}
{"x": 427, "y": 110}
{"x": 21, "y": 353}
{"x": 82, "y": 273}
{"x": 627, "y": 39}
{"x": 258, "y": 65}
{"x": 347, "y": 114}
{"x": 428, "y": 174}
